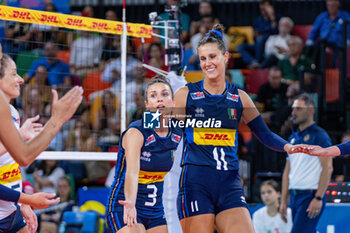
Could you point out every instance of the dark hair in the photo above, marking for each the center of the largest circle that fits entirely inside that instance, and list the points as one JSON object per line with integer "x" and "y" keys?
{"x": 265, "y": 1}
{"x": 158, "y": 79}
{"x": 275, "y": 68}
{"x": 307, "y": 99}
{"x": 3, "y": 64}
{"x": 212, "y": 37}
{"x": 272, "y": 183}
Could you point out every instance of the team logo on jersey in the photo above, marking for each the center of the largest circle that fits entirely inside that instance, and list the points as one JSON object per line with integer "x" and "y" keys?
{"x": 145, "y": 156}
{"x": 175, "y": 138}
{"x": 307, "y": 137}
{"x": 199, "y": 112}
{"x": 232, "y": 97}
{"x": 232, "y": 113}
{"x": 214, "y": 137}
{"x": 150, "y": 139}
{"x": 197, "y": 95}
{"x": 151, "y": 120}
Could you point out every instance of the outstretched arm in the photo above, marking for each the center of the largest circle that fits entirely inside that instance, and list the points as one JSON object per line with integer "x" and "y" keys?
{"x": 25, "y": 153}
{"x": 253, "y": 119}
{"x": 132, "y": 142}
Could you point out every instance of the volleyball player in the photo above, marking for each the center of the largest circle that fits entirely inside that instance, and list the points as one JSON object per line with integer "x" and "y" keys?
{"x": 145, "y": 156}
{"x": 210, "y": 187}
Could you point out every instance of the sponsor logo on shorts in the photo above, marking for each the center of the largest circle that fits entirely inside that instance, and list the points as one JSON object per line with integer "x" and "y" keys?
{"x": 214, "y": 137}
{"x": 243, "y": 199}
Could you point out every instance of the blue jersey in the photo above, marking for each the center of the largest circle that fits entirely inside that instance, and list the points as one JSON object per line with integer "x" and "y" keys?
{"x": 312, "y": 135}
{"x": 212, "y": 145}
{"x": 156, "y": 160}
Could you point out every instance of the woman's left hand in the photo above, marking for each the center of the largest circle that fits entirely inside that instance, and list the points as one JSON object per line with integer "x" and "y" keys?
{"x": 30, "y": 129}
{"x": 129, "y": 213}
{"x": 30, "y": 218}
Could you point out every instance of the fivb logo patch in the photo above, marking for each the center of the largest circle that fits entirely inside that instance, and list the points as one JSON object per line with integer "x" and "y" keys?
{"x": 151, "y": 120}
{"x": 232, "y": 97}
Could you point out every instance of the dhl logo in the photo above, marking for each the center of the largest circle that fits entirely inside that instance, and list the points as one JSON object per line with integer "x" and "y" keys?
{"x": 146, "y": 177}
{"x": 214, "y": 137}
{"x": 74, "y": 22}
{"x": 49, "y": 18}
{"x": 21, "y": 15}
{"x": 99, "y": 26}
{"x": 10, "y": 173}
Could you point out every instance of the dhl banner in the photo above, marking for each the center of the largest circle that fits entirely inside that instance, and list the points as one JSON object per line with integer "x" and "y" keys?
{"x": 73, "y": 22}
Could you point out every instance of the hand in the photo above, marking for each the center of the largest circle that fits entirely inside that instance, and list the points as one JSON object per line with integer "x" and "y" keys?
{"x": 30, "y": 218}
{"x": 283, "y": 211}
{"x": 30, "y": 129}
{"x": 129, "y": 213}
{"x": 270, "y": 12}
{"x": 314, "y": 208}
{"x": 311, "y": 150}
{"x": 64, "y": 108}
{"x": 300, "y": 148}
{"x": 281, "y": 50}
{"x": 39, "y": 200}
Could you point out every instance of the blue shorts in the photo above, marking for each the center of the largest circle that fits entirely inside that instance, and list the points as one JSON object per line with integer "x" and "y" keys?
{"x": 299, "y": 202}
{"x": 12, "y": 223}
{"x": 115, "y": 220}
{"x": 204, "y": 190}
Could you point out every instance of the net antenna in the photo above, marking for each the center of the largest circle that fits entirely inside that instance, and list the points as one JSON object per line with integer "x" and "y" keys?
{"x": 123, "y": 72}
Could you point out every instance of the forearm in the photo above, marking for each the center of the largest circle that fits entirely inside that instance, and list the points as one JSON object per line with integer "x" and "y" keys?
{"x": 131, "y": 187}
{"x": 8, "y": 194}
{"x": 340, "y": 149}
{"x": 285, "y": 185}
{"x": 324, "y": 181}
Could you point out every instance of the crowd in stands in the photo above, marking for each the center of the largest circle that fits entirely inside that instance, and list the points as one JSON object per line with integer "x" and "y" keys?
{"x": 50, "y": 57}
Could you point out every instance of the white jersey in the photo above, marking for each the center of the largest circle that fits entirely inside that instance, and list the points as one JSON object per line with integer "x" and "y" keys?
{"x": 264, "y": 223}
{"x": 305, "y": 171}
{"x": 10, "y": 173}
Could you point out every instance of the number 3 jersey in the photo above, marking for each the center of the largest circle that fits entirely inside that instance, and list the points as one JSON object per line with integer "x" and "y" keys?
{"x": 156, "y": 160}
{"x": 211, "y": 137}
{"x": 10, "y": 173}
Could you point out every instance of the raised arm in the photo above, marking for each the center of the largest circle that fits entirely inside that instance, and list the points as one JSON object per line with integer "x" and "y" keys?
{"x": 132, "y": 143}
{"x": 25, "y": 153}
{"x": 253, "y": 119}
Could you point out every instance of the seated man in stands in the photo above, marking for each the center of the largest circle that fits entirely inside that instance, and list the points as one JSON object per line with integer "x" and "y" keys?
{"x": 264, "y": 26}
{"x": 57, "y": 71}
{"x": 296, "y": 63}
{"x": 276, "y": 47}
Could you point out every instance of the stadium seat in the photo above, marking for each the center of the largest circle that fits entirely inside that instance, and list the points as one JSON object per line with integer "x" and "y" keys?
{"x": 64, "y": 55}
{"x": 93, "y": 82}
{"x": 255, "y": 79}
{"x": 302, "y": 31}
{"x": 239, "y": 35}
{"x": 24, "y": 61}
{"x": 332, "y": 85}
{"x": 87, "y": 222}
{"x": 193, "y": 76}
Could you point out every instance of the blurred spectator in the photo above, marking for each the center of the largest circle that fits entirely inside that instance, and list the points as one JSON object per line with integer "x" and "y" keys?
{"x": 47, "y": 176}
{"x": 328, "y": 28}
{"x": 134, "y": 85}
{"x": 58, "y": 142}
{"x": 184, "y": 21}
{"x": 88, "y": 11}
{"x": 111, "y": 42}
{"x": 271, "y": 95}
{"x": 43, "y": 33}
{"x": 58, "y": 71}
{"x": 108, "y": 117}
{"x": 139, "y": 100}
{"x": 276, "y": 47}
{"x": 40, "y": 82}
{"x": 155, "y": 58}
{"x": 17, "y": 38}
{"x": 113, "y": 69}
{"x": 32, "y": 103}
{"x": 264, "y": 26}
{"x": 204, "y": 8}
{"x": 296, "y": 62}
{"x": 80, "y": 137}
{"x": 268, "y": 219}
{"x": 50, "y": 218}
{"x": 86, "y": 52}
{"x": 305, "y": 178}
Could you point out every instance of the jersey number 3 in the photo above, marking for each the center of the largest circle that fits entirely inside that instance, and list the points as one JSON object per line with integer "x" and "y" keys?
{"x": 153, "y": 195}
